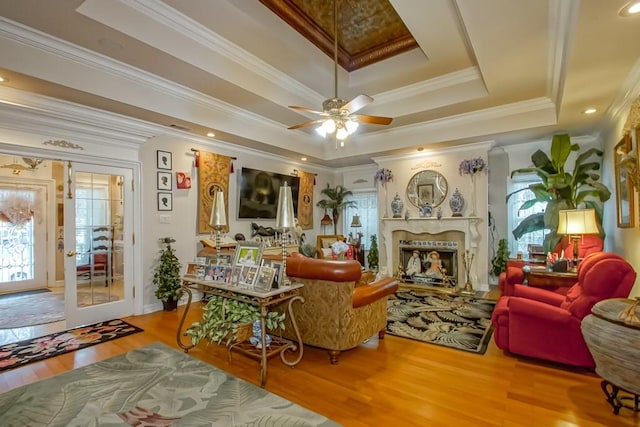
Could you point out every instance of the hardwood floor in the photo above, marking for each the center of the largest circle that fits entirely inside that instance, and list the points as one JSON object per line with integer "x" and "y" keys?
{"x": 395, "y": 382}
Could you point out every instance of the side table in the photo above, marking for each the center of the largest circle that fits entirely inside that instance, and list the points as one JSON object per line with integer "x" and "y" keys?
{"x": 542, "y": 278}
{"x": 263, "y": 300}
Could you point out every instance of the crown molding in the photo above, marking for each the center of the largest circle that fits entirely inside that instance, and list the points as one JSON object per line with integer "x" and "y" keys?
{"x": 563, "y": 18}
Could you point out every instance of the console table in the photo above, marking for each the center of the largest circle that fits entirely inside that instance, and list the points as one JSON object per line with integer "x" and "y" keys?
{"x": 263, "y": 300}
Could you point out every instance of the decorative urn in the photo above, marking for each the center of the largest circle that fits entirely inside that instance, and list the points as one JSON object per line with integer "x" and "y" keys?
{"x": 456, "y": 203}
{"x": 396, "y": 206}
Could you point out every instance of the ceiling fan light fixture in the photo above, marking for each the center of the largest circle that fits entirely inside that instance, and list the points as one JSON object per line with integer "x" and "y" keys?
{"x": 352, "y": 126}
{"x": 342, "y": 134}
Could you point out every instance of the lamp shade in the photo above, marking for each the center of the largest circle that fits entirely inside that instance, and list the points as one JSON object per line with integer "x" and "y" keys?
{"x": 326, "y": 219}
{"x": 218, "y": 217}
{"x": 355, "y": 222}
{"x": 577, "y": 221}
{"x": 285, "y": 217}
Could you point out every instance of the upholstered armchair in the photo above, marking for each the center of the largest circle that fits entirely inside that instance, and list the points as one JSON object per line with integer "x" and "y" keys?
{"x": 539, "y": 323}
{"x": 340, "y": 312}
{"x": 514, "y": 275}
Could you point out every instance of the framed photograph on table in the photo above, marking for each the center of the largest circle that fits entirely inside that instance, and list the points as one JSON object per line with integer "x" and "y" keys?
{"x": 165, "y": 201}
{"x": 164, "y": 160}
{"x": 224, "y": 259}
{"x": 265, "y": 279}
{"x": 277, "y": 276}
{"x": 248, "y": 253}
{"x": 248, "y": 275}
{"x": 624, "y": 184}
{"x": 190, "y": 269}
{"x": 164, "y": 181}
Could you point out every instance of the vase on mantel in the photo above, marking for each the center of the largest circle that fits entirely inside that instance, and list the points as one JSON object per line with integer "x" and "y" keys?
{"x": 473, "y": 195}
{"x": 396, "y": 206}
{"x": 456, "y": 203}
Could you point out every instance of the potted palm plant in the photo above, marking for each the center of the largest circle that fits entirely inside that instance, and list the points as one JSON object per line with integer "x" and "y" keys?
{"x": 336, "y": 202}
{"x": 166, "y": 276}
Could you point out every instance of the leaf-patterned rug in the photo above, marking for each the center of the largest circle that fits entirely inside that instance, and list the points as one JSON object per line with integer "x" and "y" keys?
{"x": 154, "y": 385}
{"x": 455, "y": 321}
{"x": 32, "y": 350}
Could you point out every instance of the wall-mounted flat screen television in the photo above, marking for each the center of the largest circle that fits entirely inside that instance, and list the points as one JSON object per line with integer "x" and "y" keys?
{"x": 259, "y": 191}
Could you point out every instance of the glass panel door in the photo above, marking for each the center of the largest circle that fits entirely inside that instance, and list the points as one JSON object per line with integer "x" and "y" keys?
{"x": 97, "y": 278}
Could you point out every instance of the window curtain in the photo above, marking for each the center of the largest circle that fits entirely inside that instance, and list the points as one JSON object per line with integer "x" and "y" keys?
{"x": 515, "y": 217}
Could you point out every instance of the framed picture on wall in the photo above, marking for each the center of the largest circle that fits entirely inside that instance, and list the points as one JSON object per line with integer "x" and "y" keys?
{"x": 624, "y": 185}
{"x": 165, "y": 201}
{"x": 164, "y": 160}
{"x": 164, "y": 181}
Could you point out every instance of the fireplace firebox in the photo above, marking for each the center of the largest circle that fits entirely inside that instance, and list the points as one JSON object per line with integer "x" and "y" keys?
{"x": 429, "y": 262}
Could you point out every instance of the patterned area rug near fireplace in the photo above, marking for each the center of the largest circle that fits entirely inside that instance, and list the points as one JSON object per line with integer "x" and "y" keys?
{"x": 460, "y": 322}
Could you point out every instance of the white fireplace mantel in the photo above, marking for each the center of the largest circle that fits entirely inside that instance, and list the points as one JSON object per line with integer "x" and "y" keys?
{"x": 467, "y": 225}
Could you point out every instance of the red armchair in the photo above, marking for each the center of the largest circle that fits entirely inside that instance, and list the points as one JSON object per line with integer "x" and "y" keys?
{"x": 514, "y": 275}
{"x": 543, "y": 324}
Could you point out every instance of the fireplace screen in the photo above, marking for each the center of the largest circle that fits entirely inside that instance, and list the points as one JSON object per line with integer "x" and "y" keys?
{"x": 429, "y": 262}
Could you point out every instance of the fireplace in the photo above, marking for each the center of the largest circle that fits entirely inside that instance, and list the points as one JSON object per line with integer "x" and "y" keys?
{"x": 449, "y": 237}
{"x": 429, "y": 262}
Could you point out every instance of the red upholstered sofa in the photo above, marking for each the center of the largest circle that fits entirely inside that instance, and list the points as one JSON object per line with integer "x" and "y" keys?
{"x": 340, "y": 311}
{"x": 543, "y": 324}
{"x": 514, "y": 275}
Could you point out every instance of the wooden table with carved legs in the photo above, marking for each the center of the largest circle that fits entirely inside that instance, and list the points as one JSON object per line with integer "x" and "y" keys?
{"x": 264, "y": 300}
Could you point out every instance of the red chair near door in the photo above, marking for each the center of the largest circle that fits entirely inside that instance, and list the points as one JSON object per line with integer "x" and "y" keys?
{"x": 543, "y": 324}
{"x": 514, "y": 275}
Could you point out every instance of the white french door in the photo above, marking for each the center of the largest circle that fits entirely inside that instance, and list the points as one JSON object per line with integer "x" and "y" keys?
{"x": 98, "y": 213}
{"x": 23, "y": 234}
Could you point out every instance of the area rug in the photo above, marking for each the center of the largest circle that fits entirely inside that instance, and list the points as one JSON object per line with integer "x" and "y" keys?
{"x": 154, "y": 385}
{"x": 459, "y": 322}
{"x": 35, "y": 349}
{"x": 36, "y": 308}
{"x": 32, "y": 309}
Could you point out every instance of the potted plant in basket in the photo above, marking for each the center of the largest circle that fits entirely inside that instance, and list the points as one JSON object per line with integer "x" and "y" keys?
{"x": 229, "y": 320}
{"x": 166, "y": 276}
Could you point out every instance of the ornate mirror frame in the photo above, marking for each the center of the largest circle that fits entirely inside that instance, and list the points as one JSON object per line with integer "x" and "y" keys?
{"x": 427, "y": 186}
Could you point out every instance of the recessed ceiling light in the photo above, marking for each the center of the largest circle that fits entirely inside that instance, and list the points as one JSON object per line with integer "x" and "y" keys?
{"x": 2, "y": 79}
{"x": 211, "y": 134}
{"x": 630, "y": 9}
{"x": 304, "y": 159}
{"x": 420, "y": 148}
{"x": 589, "y": 111}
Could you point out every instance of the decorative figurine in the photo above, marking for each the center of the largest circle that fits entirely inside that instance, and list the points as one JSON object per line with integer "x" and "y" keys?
{"x": 426, "y": 210}
{"x": 439, "y": 213}
{"x": 406, "y": 215}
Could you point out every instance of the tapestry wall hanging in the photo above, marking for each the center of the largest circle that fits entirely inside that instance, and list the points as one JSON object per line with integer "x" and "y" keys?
{"x": 213, "y": 174}
{"x": 305, "y": 200}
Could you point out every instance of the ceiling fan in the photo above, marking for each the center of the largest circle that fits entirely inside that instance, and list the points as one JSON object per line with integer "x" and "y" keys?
{"x": 338, "y": 116}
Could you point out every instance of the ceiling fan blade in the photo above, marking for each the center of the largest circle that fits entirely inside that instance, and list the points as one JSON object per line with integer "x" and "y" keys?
{"x": 357, "y": 103}
{"x": 309, "y": 110}
{"x": 376, "y": 120}
{"x": 305, "y": 124}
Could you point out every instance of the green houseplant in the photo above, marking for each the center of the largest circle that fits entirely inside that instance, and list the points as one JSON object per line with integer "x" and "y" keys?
{"x": 372, "y": 256}
{"x": 166, "y": 276}
{"x": 561, "y": 189}
{"x": 223, "y": 318}
{"x": 336, "y": 202}
{"x": 499, "y": 261}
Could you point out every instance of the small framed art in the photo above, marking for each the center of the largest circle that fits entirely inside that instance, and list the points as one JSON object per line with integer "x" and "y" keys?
{"x": 165, "y": 201}
{"x": 224, "y": 259}
{"x": 624, "y": 186}
{"x": 164, "y": 160}
{"x": 164, "y": 181}
{"x": 248, "y": 253}
{"x": 191, "y": 269}
{"x": 265, "y": 279}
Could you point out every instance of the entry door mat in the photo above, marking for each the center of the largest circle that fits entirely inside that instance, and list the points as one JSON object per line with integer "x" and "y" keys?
{"x": 455, "y": 321}
{"x": 36, "y": 349}
{"x": 154, "y": 385}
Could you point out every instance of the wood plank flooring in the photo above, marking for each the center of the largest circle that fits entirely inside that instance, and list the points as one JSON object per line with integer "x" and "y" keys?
{"x": 394, "y": 381}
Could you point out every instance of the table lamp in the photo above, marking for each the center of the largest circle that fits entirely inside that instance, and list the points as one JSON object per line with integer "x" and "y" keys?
{"x": 285, "y": 221}
{"x": 326, "y": 220}
{"x": 218, "y": 219}
{"x": 575, "y": 223}
{"x": 355, "y": 222}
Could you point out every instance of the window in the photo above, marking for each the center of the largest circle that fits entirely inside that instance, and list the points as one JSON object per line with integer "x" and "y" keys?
{"x": 515, "y": 217}
{"x": 367, "y": 210}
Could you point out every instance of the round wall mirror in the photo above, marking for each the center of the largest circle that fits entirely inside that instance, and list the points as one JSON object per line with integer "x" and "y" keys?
{"x": 427, "y": 187}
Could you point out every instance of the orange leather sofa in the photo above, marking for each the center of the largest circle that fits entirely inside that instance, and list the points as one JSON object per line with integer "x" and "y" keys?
{"x": 340, "y": 312}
